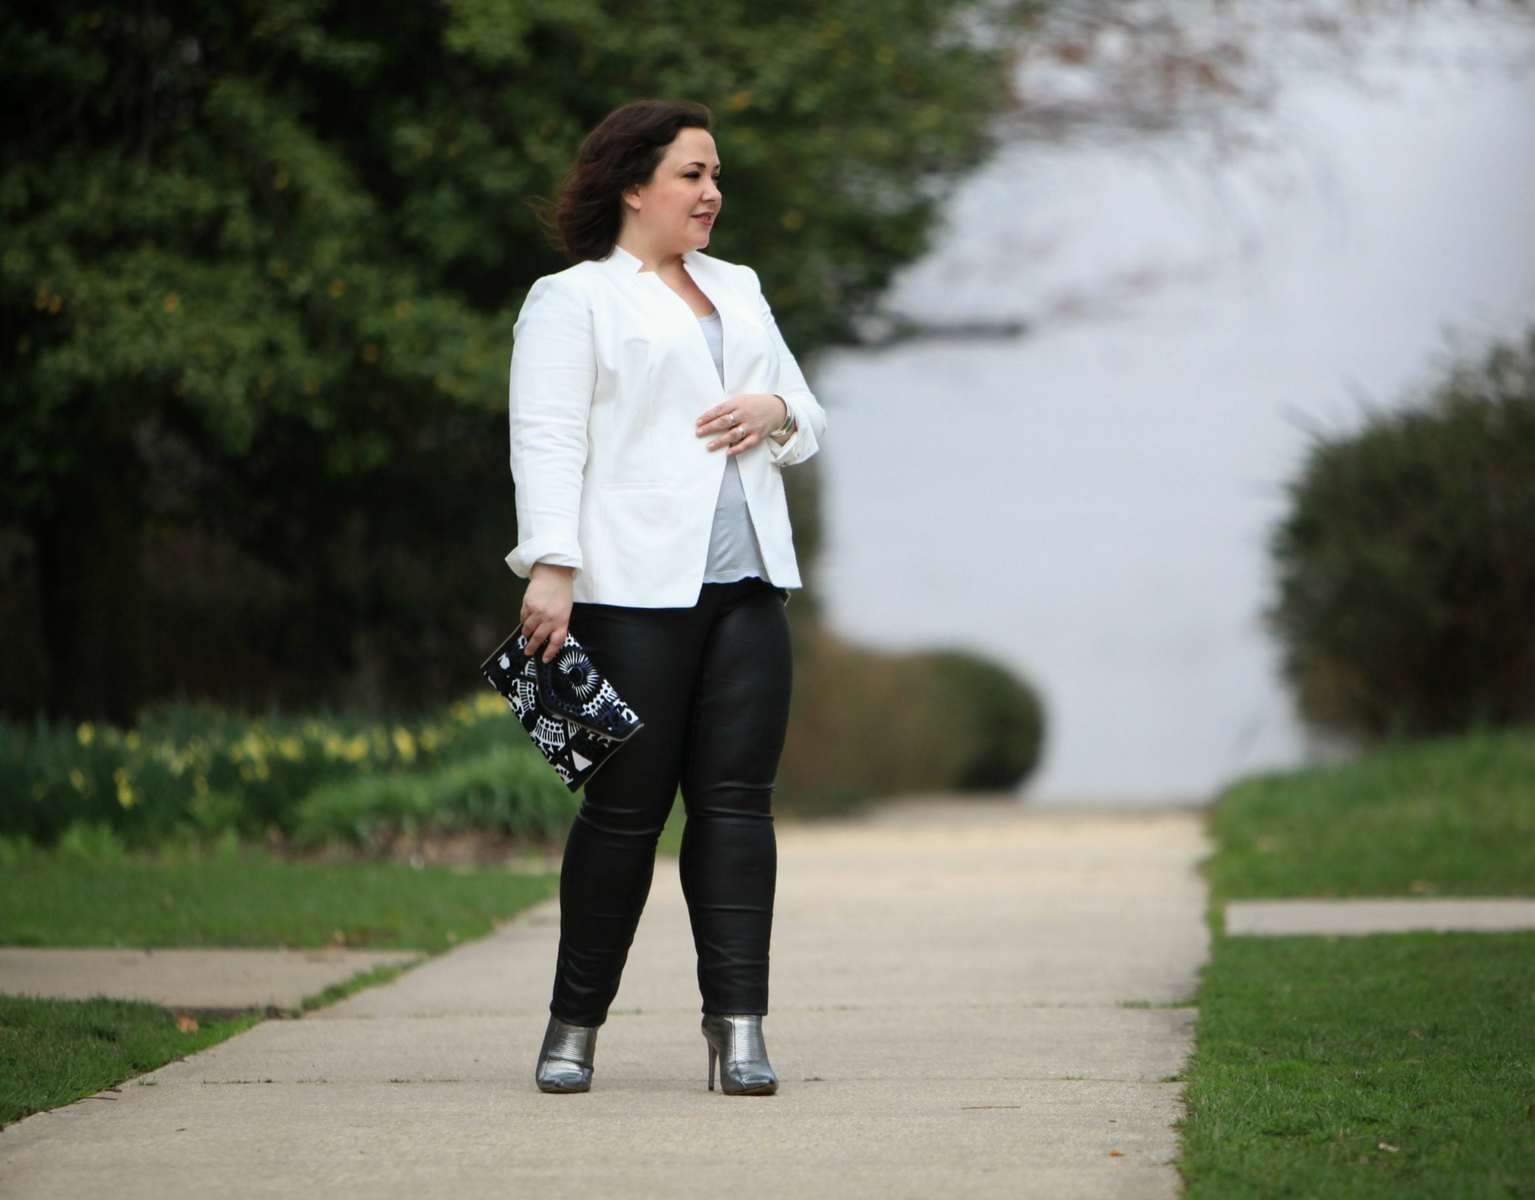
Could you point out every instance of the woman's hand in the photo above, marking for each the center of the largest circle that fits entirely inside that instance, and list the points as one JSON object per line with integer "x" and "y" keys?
{"x": 742, "y": 421}
{"x": 546, "y": 608}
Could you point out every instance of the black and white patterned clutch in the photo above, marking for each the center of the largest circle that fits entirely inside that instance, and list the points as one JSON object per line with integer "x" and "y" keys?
{"x": 573, "y": 714}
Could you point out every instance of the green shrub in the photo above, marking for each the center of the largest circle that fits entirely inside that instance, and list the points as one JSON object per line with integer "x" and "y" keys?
{"x": 1406, "y": 598}
{"x": 1003, "y": 719}
{"x": 509, "y": 791}
{"x": 192, "y": 771}
{"x": 17, "y": 851}
{"x": 866, "y": 724}
{"x": 91, "y": 842}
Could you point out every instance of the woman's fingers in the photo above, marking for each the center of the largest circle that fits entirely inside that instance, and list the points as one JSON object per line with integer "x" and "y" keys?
{"x": 738, "y": 438}
{"x": 537, "y": 632}
{"x": 744, "y": 409}
{"x": 548, "y": 633}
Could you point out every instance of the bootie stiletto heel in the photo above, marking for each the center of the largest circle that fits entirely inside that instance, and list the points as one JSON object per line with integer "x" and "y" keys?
{"x": 736, "y": 1040}
{"x": 565, "y": 1058}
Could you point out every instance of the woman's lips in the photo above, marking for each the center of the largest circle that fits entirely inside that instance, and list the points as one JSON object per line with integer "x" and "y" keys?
{"x": 706, "y": 218}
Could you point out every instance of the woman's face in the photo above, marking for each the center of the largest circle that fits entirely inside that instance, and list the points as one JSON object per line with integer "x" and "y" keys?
{"x": 686, "y": 183}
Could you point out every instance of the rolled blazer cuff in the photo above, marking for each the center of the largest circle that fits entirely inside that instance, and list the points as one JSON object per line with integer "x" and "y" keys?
{"x": 809, "y": 416}
{"x": 802, "y": 442}
{"x": 553, "y": 550}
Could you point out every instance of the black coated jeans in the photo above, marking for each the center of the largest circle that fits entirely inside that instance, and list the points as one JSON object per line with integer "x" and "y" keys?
{"x": 711, "y": 683}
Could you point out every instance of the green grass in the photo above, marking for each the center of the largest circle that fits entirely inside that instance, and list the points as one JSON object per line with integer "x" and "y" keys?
{"x": 1389, "y": 1065}
{"x": 1386, "y": 1065}
{"x": 1451, "y": 816}
{"x": 250, "y": 899}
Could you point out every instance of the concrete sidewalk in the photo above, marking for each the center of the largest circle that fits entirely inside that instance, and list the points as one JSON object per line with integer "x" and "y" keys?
{"x": 968, "y": 998}
{"x": 220, "y": 980}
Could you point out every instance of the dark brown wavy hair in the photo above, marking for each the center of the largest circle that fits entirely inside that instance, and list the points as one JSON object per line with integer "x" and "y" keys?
{"x": 623, "y": 151}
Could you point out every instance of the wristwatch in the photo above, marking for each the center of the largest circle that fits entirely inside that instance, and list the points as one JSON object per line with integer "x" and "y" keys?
{"x": 788, "y": 421}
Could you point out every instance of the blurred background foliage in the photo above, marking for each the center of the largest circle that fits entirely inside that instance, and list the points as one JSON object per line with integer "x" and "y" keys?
{"x": 260, "y": 266}
{"x": 1406, "y": 565}
{"x": 195, "y": 774}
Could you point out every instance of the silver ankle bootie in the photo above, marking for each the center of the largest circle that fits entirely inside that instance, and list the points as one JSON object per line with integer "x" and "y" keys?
{"x": 565, "y": 1058}
{"x": 736, "y": 1040}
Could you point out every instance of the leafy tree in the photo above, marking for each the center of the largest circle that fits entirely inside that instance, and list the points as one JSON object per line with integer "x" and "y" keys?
{"x": 261, "y": 262}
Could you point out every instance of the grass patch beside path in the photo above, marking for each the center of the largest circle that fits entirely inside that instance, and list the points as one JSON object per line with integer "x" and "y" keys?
{"x": 1451, "y": 816}
{"x": 1390, "y": 1065}
{"x": 251, "y": 899}
{"x": 1385, "y": 1065}
{"x": 54, "y": 1051}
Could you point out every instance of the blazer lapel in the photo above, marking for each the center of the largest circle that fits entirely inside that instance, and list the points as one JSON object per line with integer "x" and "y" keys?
{"x": 669, "y": 313}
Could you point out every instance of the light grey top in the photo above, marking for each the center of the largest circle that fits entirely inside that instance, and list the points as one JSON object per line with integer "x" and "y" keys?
{"x": 733, "y": 549}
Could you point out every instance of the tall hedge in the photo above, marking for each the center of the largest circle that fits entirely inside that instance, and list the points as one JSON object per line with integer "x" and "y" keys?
{"x": 1406, "y": 566}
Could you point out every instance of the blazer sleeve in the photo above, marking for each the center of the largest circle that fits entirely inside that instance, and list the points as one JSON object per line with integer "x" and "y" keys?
{"x": 809, "y": 416}
{"x": 553, "y": 375}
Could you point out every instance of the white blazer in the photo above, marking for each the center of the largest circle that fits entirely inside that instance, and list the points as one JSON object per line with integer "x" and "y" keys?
{"x": 610, "y": 372}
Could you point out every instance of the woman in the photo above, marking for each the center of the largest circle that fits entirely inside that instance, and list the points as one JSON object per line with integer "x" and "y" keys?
{"x": 653, "y": 408}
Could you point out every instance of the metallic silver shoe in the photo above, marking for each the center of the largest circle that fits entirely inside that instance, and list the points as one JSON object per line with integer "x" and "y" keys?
{"x": 736, "y": 1040}
{"x": 565, "y": 1058}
